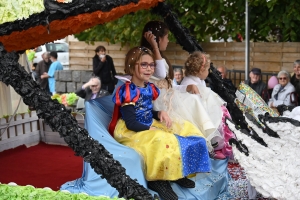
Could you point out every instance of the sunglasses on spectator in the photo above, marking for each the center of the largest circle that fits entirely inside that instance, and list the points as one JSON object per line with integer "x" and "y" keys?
{"x": 145, "y": 65}
{"x": 94, "y": 85}
{"x": 282, "y": 78}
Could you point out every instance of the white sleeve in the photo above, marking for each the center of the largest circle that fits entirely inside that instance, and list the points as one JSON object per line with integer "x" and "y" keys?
{"x": 160, "y": 69}
{"x": 181, "y": 88}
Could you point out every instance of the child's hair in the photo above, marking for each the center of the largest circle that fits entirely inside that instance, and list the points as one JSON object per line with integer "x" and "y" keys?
{"x": 195, "y": 62}
{"x": 158, "y": 29}
{"x": 53, "y": 54}
{"x": 133, "y": 56}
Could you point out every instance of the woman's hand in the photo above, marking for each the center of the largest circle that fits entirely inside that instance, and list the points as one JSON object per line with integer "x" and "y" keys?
{"x": 151, "y": 39}
{"x": 164, "y": 117}
{"x": 193, "y": 89}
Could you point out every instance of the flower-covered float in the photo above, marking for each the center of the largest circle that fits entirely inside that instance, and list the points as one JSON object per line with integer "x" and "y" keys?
{"x": 67, "y": 99}
{"x": 275, "y": 137}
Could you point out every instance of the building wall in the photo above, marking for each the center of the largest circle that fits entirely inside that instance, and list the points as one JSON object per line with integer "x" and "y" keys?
{"x": 270, "y": 57}
{"x": 71, "y": 80}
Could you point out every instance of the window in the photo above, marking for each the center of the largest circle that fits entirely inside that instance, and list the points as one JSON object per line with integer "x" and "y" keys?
{"x": 39, "y": 49}
{"x": 58, "y": 47}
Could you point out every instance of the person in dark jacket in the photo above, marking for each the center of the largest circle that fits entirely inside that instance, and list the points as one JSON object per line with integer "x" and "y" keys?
{"x": 91, "y": 90}
{"x": 103, "y": 67}
{"x": 42, "y": 67}
{"x": 256, "y": 83}
{"x": 295, "y": 80}
{"x": 223, "y": 71}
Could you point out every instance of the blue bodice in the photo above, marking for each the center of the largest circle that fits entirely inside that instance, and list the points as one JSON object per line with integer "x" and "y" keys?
{"x": 141, "y": 98}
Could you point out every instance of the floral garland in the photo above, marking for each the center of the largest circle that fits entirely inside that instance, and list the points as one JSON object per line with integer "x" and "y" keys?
{"x": 68, "y": 99}
{"x": 13, "y": 191}
{"x": 64, "y": 19}
{"x": 11, "y": 10}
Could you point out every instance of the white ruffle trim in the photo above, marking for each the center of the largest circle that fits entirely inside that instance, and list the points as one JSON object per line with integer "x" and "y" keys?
{"x": 273, "y": 170}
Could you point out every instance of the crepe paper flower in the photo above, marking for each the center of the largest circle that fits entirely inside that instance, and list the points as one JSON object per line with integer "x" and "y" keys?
{"x": 57, "y": 97}
{"x": 71, "y": 98}
{"x": 29, "y": 192}
{"x": 64, "y": 99}
{"x": 11, "y": 10}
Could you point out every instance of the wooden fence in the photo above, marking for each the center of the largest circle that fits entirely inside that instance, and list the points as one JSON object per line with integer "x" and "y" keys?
{"x": 27, "y": 129}
{"x": 270, "y": 57}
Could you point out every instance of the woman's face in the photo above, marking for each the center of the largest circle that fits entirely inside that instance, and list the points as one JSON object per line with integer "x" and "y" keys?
{"x": 144, "y": 68}
{"x": 163, "y": 42}
{"x": 283, "y": 80}
{"x": 297, "y": 69}
{"x": 178, "y": 76}
{"x": 101, "y": 52}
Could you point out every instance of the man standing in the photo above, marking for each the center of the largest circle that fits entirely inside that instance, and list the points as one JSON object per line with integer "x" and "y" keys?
{"x": 55, "y": 66}
{"x": 42, "y": 67}
{"x": 256, "y": 83}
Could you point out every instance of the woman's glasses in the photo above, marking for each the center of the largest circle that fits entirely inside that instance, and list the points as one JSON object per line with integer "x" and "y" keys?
{"x": 282, "y": 78}
{"x": 145, "y": 65}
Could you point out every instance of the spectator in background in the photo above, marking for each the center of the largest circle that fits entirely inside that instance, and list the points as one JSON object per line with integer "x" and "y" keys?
{"x": 55, "y": 66}
{"x": 92, "y": 89}
{"x": 223, "y": 71}
{"x": 282, "y": 92}
{"x": 42, "y": 67}
{"x": 178, "y": 76}
{"x": 31, "y": 55}
{"x": 256, "y": 83}
{"x": 104, "y": 68}
{"x": 295, "y": 80}
{"x": 33, "y": 71}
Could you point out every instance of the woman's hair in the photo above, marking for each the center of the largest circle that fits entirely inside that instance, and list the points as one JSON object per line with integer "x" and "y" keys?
{"x": 133, "y": 56}
{"x": 100, "y": 48}
{"x": 158, "y": 29}
{"x": 195, "y": 62}
{"x": 178, "y": 69}
{"x": 297, "y": 62}
{"x": 283, "y": 72}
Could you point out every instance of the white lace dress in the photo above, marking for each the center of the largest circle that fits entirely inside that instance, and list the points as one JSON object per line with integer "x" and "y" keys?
{"x": 197, "y": 109}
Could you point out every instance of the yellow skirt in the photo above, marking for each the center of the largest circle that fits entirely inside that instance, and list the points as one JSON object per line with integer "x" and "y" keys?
{"x": 167, "y": 156}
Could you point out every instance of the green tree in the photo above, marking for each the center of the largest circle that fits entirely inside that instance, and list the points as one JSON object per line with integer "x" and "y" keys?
{"x": 270, "y": 20}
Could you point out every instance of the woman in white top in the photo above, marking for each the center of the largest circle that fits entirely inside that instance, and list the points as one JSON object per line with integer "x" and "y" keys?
{"x": 281, "y": 93}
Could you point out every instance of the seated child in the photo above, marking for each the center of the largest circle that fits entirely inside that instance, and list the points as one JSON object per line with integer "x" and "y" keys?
{"x": 196, "y": 71}
{"x": 171, "y": 152}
